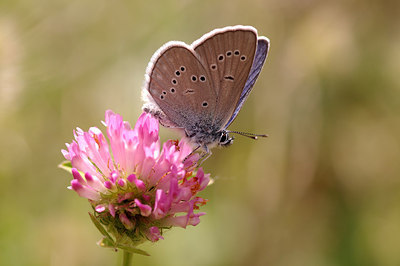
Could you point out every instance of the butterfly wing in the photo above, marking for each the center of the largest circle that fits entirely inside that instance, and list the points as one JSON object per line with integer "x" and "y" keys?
{"x": 259, "y": 59}
{"x": 178, "y": 85}
{"x": 227, "y": 55}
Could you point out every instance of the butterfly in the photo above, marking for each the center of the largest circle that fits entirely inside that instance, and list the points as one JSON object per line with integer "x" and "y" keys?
{"x": 200, "y": 88}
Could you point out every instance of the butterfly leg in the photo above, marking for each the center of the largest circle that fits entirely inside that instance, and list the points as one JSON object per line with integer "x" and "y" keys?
{"x": 198, "y": 147}
{"x": 205, "y": 155}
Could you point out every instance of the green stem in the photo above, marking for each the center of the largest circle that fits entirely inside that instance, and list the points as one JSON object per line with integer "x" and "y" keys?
{"x": 127, "y": 259}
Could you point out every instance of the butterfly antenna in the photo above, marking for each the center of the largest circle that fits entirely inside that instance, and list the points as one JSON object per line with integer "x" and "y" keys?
{"x": 249, "y": 135}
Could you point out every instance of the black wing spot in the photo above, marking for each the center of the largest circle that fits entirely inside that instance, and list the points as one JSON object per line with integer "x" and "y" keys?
{"x": 237, "y": 52}
{"x": 229, "y": 77}
{"x": 194, "y": 78}
{"x": 177, "y": 73}
{"x": 162, "y": 97}
{"x": 221, "y": 57}
{"x": 213, "y": 67}
{"x": 204, "y": 104}
{"x": 172, "y": 90}
{"x": 202, "y": 78}
{"x": 164, "y": 92}
{"x": 183, "y": 68}
{"x": 243, "y": 58}
{"x": 229, "y": 53}
{"x": 174, "y": 81}
{"x": 189, "y": 91}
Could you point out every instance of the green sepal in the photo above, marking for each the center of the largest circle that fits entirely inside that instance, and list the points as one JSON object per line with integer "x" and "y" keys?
{"x": 66, "y": 165}
{"x": 105, "y": 243}
{"x": 108, "y": 242}
{"x": 133, "y": 250}
{"x": 102, "y": 230}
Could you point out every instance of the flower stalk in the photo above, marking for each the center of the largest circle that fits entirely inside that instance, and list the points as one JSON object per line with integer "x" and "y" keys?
{"x": 127, "y": 258}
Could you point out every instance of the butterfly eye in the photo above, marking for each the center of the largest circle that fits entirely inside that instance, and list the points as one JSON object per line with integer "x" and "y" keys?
{"x": 183, "y": 68}
{"x": 243, "y": 58}
{"x": 172, "y": 90}
{"x": 213, "y": 67}
{"x": 237, "y": 52}
{"x": 177, "y": 73}
{"x": 221, "y": 57}
{"x": 229, "y": 53}
{"x": 223, "y": 138}
{"x": 202, "y": 78}
{"x": 194, "y": 78}
{"x": 174, "y": 81}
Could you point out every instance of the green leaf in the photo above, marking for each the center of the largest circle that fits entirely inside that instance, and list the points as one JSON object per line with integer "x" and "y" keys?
{"x": 102, "y": 230}
{"x": 133, "y": 250}
{"x": 66, "y": 165}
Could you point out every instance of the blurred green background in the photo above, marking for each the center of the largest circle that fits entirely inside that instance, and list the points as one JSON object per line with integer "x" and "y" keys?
{"x": 323, "y": 189}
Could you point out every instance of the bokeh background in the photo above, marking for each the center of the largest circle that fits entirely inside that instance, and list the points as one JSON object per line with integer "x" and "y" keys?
{"x": 323, "y": 189}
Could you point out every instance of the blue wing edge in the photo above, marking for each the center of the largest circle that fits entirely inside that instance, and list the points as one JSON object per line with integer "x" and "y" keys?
{"x": 258, "y": 62}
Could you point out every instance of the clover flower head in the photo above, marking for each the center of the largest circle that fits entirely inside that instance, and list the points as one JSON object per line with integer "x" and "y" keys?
{"x": 136, "y": 190}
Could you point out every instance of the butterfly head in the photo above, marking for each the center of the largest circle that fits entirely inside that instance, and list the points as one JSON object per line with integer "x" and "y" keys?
{"x": 225, "y": 140}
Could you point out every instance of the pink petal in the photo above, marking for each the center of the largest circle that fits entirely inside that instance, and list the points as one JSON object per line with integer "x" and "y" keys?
{"x": 138, "y": 183}
{"x": 111, "y": 208}
{"x": 78, "y": 176}
{"x": 180, "y": 207}
{"x": 153, "y": 234}
{"x": 83, "y": 165}
{"x": 66, "y": 154}
{"x": 100, "y": 208}
{"x": 84, "y": 191}
{"x": 94, "y": 182}
{"x": 125, "y": 220}
{"x": 146, "y": 197}
{"x": 204, "y": 180}
{"x": 109, "y": 185}
{"x": 121, "y": 182}
{"x": 145, "y": 210}
{"x": 161, "y": 205}
{"x": 115, "y": 128}
{"x": 180, "y": 221}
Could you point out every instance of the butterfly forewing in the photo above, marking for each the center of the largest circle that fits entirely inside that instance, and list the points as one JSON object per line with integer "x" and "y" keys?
{"x": 258, "y": 63}
{"x": 227, "y": 56}
{"x": 180, "y": 86}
